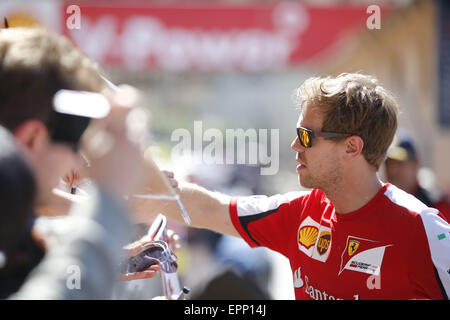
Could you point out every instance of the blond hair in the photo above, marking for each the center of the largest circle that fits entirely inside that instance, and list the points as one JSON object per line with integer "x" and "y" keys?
{"x": 357, "y": 104}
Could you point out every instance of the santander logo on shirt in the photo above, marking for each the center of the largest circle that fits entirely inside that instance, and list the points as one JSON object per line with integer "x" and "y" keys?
{"x": 311, "y": 291}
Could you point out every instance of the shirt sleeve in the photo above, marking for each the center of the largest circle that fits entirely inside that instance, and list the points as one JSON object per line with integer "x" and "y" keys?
{"x": 437, "y": 231}
{"x": 266, "y": 221}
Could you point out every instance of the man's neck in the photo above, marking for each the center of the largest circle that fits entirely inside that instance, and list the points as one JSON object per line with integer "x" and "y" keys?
{"x": 354, "y": 193}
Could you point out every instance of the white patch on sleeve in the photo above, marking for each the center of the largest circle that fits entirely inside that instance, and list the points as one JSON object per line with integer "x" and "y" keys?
{"x": 437, "y": 231}
{"x": 247, "y": 206}
{"x": 438, "y": 234}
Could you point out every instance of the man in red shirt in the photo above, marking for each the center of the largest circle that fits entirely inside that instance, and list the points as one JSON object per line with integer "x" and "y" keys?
{"x": 351, "y": 237}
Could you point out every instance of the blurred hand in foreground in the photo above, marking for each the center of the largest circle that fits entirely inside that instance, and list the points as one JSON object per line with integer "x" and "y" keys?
{"x": 113, "y": 144}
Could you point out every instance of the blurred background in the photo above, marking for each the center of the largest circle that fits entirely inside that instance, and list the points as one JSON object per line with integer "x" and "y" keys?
{"x": 236, "y": 64}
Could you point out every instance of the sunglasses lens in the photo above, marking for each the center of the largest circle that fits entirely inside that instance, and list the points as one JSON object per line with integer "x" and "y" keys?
{"x": 303, "y": 136}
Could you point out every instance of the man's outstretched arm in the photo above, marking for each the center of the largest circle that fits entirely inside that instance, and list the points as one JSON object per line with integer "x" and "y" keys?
{"x": 207, "y": 209}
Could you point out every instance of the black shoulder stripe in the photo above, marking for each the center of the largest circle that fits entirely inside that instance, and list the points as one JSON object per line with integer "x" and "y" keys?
{"x": 246, "y": 220}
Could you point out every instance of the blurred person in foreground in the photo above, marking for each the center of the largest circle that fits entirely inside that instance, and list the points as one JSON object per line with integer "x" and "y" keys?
{"x": 35, "y": 65}
{"x": 19, "y": 253}
{"x": 352, "y": 236}
{"x": 402, "y": 167}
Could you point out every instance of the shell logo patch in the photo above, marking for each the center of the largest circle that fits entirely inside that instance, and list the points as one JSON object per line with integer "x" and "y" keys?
{"x": 308, "y": 236}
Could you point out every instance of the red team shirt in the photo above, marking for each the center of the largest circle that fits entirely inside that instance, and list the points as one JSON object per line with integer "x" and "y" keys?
{"x": 392, "y": 248}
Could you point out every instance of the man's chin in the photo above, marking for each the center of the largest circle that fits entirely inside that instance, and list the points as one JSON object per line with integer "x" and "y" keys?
{"x": 305, "y": 183}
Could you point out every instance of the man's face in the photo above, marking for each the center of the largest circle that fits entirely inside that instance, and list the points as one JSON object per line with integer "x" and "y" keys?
{"x": 319, "y": 166}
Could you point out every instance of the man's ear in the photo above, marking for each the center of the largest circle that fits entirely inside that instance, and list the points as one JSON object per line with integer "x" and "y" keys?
{"x": 32, "y": 135}
{"x": 353, "y": 146}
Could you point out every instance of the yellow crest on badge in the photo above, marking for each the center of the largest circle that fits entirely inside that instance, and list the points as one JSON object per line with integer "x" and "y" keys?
{"x": 353, "y": 245}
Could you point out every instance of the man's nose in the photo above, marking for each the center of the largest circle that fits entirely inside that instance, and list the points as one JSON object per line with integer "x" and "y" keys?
{"x": 296, "y": 145}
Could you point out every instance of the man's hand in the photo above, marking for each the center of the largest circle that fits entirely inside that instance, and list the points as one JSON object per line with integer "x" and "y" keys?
{"x": 208, "y": 209}
{"x": 171, "y": 177}
{"x": 138, "y": 246}
{"x": 146, "y": 274}
{"x": 134, "y": 249}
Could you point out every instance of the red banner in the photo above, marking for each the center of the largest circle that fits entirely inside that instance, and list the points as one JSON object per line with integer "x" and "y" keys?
{"x": 210, "y": 37}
